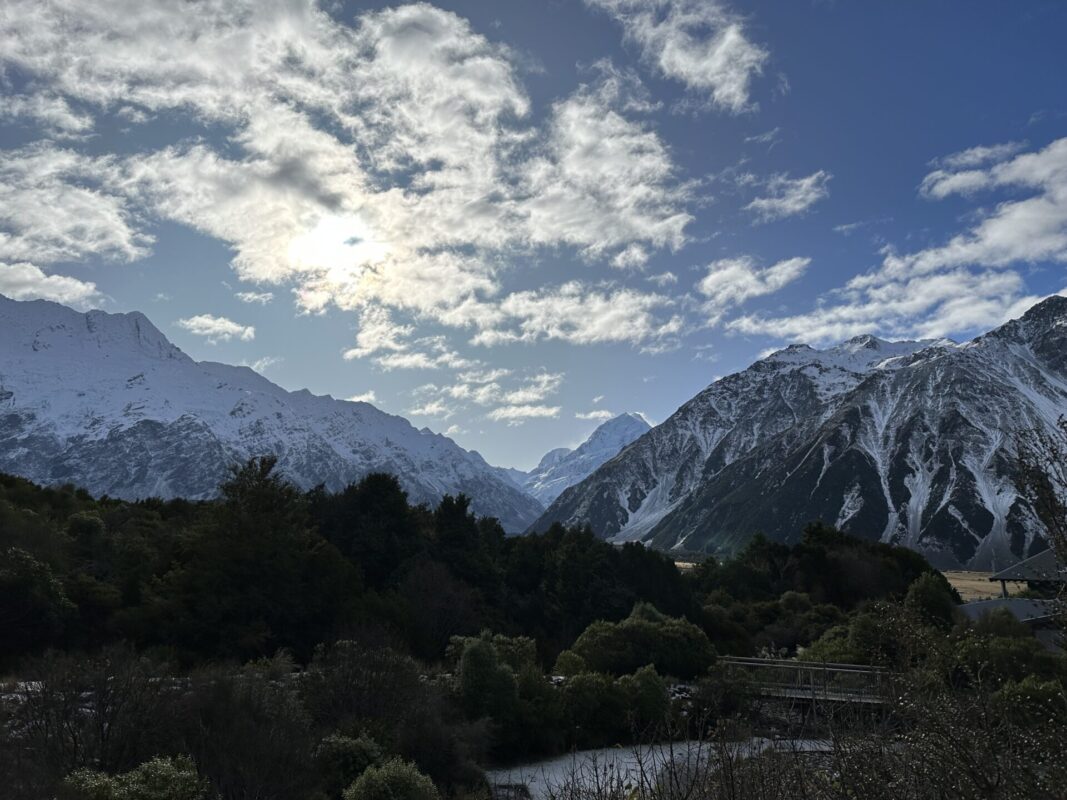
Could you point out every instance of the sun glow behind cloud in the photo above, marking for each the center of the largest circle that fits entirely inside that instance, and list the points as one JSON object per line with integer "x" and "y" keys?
{"x": 395, "y": 166}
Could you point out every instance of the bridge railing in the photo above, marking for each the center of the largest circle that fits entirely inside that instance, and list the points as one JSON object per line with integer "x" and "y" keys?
{"x": 819, "y": 680}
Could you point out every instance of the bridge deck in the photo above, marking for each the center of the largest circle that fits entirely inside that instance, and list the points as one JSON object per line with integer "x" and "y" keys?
{"x": 800, "y": 680}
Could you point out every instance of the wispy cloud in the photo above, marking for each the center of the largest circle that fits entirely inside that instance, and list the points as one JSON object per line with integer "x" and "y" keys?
{"x": 787, "y": 197}
{"x": 968, "y": 282}
{"x": 700, "y": 43}
{"x": 262, "y": 298}
{"x": 599, "y": 414}
{"x": 517, "y": 414}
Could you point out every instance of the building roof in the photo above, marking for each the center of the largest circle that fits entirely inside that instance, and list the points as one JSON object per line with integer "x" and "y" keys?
{"x": 1024, "y": 610}
{"x": 1042, "y": 567}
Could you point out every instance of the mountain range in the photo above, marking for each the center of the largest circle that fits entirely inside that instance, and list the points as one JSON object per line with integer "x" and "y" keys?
{"x": 906, "y": 442}
{"x": 106, "y": 402}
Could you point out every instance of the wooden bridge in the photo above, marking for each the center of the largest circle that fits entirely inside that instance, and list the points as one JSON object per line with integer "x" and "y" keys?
{"x": 813, "y": 681}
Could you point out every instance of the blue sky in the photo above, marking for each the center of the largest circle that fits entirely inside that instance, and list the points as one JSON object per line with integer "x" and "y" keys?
{"x": 507, "y": 221}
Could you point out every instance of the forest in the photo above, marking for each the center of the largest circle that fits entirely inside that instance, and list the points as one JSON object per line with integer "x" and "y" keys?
{"x": 282, "y": 644}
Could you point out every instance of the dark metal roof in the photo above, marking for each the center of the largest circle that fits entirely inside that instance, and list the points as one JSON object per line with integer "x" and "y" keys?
{"x": 1022, "y": 609}
{"x": 1042, "y": 567}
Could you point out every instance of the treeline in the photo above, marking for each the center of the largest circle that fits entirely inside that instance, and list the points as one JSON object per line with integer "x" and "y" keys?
{"x": 267, "y": 567}
{"x": 282, "y": 644}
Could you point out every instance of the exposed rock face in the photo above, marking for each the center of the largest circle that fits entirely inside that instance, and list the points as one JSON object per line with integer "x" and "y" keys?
{"x": 906, "y": 442}
{"x": 104, "y": 401}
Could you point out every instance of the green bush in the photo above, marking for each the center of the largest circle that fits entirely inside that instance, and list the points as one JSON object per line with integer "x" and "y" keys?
{"x": 674, "y": 647}
{"x": 342, "y": 759}
{"x": 594, "y": 709}
{"x": 648, "y": 703}
{"x": 930, "y": 598}
{"x": 158, "y": 779}
{"x": 393, "y": 780}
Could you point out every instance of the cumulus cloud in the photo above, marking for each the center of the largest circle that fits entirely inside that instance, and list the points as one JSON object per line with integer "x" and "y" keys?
{"x": 580, "y": 314}
{"x": 700, "y": 43}
{"x": 24, "y": 281}
{"x": 217, "y": 329}
{"x": 57, "y": 205}
{"x": 787, "y": 197}
{"x": 603, "y": 180}
{"x": 732, "y": 281}
{"x": 969, "y": 281}
{"x": 388, "y": 163}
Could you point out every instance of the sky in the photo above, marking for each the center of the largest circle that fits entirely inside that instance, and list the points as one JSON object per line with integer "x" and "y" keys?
{"x": 509, "y": 221}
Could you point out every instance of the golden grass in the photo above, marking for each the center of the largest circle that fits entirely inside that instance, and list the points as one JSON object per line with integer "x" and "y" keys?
{"x": 976, "y": 585}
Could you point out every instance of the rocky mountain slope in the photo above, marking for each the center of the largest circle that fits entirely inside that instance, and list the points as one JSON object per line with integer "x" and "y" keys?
{"x": 563, "y": 467}
{"x": 906, "y": 442}
{"x": 106, "y": 402}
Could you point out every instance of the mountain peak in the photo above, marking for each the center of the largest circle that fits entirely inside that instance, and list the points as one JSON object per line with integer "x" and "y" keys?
{"x": 561, "y": 468}
{"x": 623, "y": 429}
{"x": 1050, "y": 310}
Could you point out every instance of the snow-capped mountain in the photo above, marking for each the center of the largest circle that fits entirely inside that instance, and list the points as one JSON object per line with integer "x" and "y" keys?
{"x": 104, "y": 401}
{"x": 563, "y": 467}
{"x": 906, "y": 442}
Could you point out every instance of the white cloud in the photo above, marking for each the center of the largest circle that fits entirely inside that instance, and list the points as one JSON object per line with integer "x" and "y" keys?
{"x": 377, "y": 332}
{"x": 512, "y": 403}
{"x": 517, "y": 414}
{"x": 927, "y": 306}
{"x": 23, "y": 281}
{"x": 217, "y": 329}
{"x": 983, "y": 154}
{"x": 57, "y": 205}
{"x": 769, "y": 138}
{"x": 433, "y": 408}
{"x": 536, "y": 389}
{"x": 697, "y": 42}
{"x": 255, "y": 297}
{"x": 265, "y": 363}
{"x": 454, "y": 430}
{"x": 663, "y": 279}
{"x": 484, "y": 376}
{"x": 787, "y": 197}
{"x": 970, "y": 281}
{"x": 633, "y": 257}
{"x": 597, "y": 399}
{"x": 604, "y": 181}
{"x": 53, "y": 113}
{"x": 1022, "y": 229}
{"x": 390, "y": 163}
{"x": 600, "y": 415}
{"x": 366, "y": 397}
{"x": 579, "y": 314}
{"x": 732, "y": 281}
